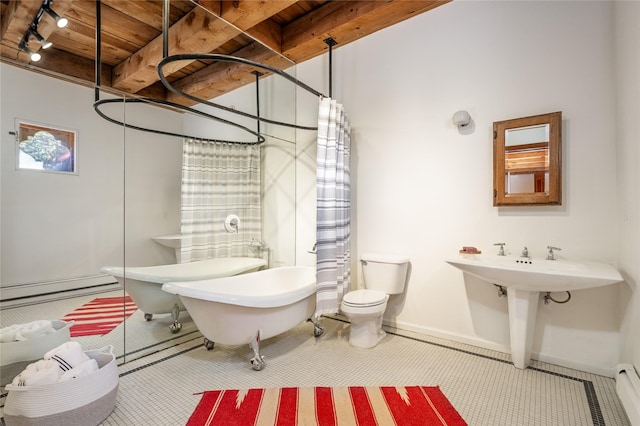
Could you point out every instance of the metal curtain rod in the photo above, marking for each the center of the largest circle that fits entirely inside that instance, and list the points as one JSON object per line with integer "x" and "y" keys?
{"x": 229, "y": 58}
{"x": 215, "y": 57}
{"x": 98, "y": 102}
{"x": 330, "y": 42}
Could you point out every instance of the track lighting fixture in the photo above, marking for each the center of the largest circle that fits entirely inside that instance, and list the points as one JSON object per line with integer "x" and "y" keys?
{"x": 33, "y": 30}
{"x": 60, "y": 21}
{"x": 44, "y": 43}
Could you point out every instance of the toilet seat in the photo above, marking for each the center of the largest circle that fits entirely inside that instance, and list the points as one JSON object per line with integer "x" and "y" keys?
{"x": 364, "y": 298}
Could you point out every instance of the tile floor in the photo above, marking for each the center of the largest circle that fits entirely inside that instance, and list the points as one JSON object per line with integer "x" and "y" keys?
{"x": 160, "y": 384}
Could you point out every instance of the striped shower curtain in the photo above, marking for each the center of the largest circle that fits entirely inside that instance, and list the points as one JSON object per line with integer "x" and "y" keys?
{"x": 218, "y": 180}
{"x": 333, "y": 234}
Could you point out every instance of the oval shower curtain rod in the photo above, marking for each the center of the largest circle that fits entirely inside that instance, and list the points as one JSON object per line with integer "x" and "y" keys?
{"x": 216, "y": 57}
{"x": 230, "y": 58}
{"x": 98, "y": 103}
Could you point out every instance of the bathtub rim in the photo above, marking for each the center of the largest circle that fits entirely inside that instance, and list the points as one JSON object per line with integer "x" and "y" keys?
{"x": 191, "y": 290}
{"x": 161, "y": 274}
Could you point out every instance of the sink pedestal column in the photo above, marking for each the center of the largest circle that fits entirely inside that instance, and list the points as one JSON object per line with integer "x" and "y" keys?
{"x": 523, "y": 306}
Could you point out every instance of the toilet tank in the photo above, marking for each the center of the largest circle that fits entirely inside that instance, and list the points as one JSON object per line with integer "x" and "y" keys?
{"x": 384, "y": 272}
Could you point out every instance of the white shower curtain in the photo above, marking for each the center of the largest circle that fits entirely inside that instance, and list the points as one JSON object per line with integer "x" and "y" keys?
{"x": 218, "y": 180}
{"x": 333, "y": 234}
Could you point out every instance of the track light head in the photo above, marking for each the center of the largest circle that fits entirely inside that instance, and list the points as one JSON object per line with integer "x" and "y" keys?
{"x": 60, "y": 21}
{"x": 44, "y": 43}
{"x": 35, "y": 56}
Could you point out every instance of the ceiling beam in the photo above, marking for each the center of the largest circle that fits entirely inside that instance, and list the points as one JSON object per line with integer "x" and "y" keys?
{"x": 198, "y": 31}
{"x": 304, "y": 38}
{"x": 223, "y": 77}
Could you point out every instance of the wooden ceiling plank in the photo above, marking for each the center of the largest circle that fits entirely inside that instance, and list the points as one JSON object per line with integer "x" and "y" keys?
{"x": 197, "y": 32}
{"x": 268, "y": 33}
{"x": 57, "y": 62}
{"x": 222, "y": 77}
{"x": 17, "y": 19}
{"x": 246, "y": 14}
{"x": 8, "y": 12}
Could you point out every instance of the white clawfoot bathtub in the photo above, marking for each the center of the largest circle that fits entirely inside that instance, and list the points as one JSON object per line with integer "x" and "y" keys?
{"x": 144, "y": 283}
{"x": 245, "y": 308}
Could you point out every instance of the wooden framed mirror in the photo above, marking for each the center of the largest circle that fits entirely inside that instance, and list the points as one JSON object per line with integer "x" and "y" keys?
{"x": 527, "y": 161}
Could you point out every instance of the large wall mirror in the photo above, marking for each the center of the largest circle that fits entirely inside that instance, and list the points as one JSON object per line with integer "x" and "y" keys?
{"x": 527, "y": 160}
{"x": 58, "y": 230}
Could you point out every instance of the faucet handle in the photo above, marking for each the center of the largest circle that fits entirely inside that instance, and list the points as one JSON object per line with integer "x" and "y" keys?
{"x": 525, "y": 252}
{"x": 501, "y": 251}
{"x": 550, "y": 254}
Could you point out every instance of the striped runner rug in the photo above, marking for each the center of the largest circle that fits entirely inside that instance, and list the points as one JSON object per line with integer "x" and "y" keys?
{"x": 325, "y": 406}
{"x": 100, "y": 316}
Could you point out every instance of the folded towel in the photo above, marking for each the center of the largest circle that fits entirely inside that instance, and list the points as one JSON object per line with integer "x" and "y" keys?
{"x": 31, "y": 330}
{"x": 68, "y": 355}
{"x": 8, "y": 334}
{"x": 34, "y": 330}
{"x": 41, "y": 372}
{"x": 84, "y": 369}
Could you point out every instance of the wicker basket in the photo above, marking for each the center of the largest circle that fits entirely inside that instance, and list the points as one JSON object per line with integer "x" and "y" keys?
{"x": 15, "y": 356}
{"x": 86, "y": 400}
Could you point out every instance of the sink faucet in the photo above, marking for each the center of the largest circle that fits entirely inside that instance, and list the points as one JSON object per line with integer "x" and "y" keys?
{"x": 525, "y": 252}
{"x": 501, "y": 251}
{"x": 550, "y": 254}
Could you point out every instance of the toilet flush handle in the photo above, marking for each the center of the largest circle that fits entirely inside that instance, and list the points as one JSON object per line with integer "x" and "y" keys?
{"x": 364, "y": 262}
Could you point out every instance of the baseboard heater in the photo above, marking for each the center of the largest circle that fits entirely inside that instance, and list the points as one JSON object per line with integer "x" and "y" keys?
{"x": 628, "y": 389}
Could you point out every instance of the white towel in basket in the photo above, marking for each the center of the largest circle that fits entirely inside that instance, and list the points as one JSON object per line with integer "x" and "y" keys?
{"x": 87, "y": 367}
{"x": 31, "y": 330}
{"x": 40, "y": 372}
{"x": 68, "y": 355}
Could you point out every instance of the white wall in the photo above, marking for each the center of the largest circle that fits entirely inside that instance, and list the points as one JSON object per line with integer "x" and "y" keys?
{"x": 62, "y": 227}
{"x": 424, "y": 190}
{"x": 627, "y": 36}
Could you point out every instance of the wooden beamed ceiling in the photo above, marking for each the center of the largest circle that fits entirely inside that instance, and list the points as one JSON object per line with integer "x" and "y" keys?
{"x": 279, "y": 33}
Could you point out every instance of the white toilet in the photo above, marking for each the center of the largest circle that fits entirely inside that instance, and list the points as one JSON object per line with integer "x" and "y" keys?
{"x": 383, "y": 275}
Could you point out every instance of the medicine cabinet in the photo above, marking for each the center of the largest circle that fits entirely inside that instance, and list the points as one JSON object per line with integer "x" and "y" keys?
{"x": 527, "y": 161}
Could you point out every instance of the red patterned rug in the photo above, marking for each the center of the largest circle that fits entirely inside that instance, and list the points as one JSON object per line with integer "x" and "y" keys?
{"x": 324, "y": 406}
{"x": 100, "y": 316}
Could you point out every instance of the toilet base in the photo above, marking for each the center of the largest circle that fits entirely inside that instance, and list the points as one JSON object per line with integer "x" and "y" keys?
{"x": 366, "y": 334}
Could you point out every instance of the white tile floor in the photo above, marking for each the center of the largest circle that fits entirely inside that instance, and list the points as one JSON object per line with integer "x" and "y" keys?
{"x": 162, "y": 386}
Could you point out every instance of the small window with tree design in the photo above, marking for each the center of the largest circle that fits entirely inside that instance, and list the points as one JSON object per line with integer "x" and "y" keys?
{"x": 46, "y": 148}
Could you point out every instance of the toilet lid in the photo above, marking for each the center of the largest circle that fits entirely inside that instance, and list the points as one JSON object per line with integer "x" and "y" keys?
{"x": 365, "y": 298}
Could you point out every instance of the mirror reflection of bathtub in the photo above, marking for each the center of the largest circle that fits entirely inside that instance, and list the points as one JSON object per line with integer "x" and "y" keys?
{"x": 144, "y": 283}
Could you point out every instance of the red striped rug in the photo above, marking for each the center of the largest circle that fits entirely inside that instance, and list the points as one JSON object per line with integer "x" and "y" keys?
{"x": 325, "y": 406}
{"x": 100, "y": 316}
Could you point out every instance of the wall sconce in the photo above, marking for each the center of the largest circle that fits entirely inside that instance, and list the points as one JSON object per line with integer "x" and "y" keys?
{"x": 461, "y": 119}
{"x": 44, "y": 43}
{"x": 60, "y": 21}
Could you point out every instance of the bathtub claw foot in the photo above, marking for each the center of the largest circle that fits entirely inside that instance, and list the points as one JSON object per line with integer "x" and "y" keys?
{"x": 258, "y": 363}
{"x": 208, "y": 344}
{"x": 175, "y": 327}
{"x": 258, "y": 360}
{"x": 175, "y": 313}
{"x": 148, "y": 317}
{"x": 317, "y": 328}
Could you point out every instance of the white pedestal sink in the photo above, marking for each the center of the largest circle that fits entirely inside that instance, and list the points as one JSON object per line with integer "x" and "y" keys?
{"x": 525, "y": 279}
